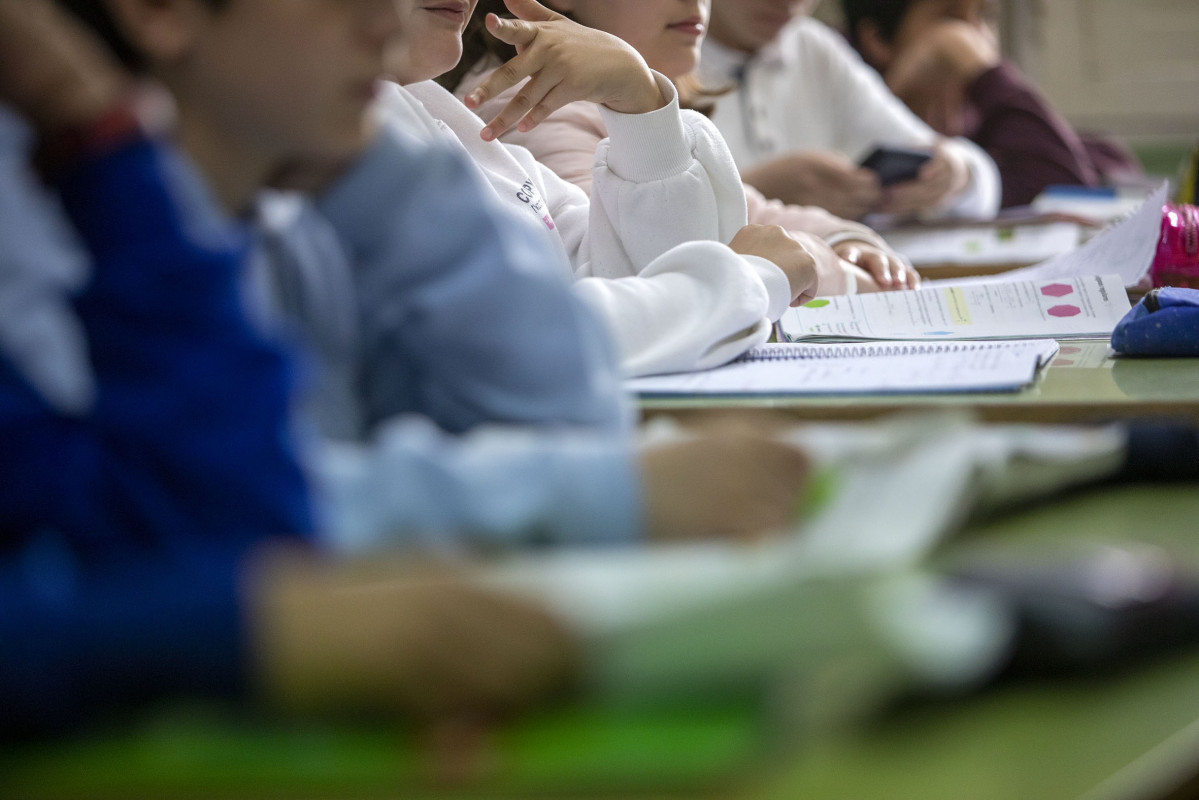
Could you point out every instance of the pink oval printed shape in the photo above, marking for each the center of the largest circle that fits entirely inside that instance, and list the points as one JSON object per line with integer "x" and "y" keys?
{"x": 1065, "y": 311}
{"x": 1057, "y": 290}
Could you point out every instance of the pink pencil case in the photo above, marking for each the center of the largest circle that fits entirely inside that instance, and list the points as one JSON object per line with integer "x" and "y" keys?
{"x": 1177, "y": 260}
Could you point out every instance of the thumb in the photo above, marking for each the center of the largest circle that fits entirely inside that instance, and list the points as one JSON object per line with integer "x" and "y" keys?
{"x": 531, "y": 11}
{"x": 511, "y": 31}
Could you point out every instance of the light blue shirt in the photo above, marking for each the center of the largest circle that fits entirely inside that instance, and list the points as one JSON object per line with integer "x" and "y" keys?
{"x": 41, "y": 264}
{"x": 465, "y": 396}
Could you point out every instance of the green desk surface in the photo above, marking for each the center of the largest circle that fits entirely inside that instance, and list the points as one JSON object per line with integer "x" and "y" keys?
{"x": 1132, "y": 735}
{"x": 1084, "y": 383}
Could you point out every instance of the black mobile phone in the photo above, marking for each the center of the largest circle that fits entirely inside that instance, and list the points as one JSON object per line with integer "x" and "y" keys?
{"x": 895, "y": 164}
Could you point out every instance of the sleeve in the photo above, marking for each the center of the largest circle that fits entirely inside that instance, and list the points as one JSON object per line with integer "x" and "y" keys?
{"x": 125, "y": 526}
{"x": 808, "y": 219}
{"x": 496, "y": 487}
{"x": 189, "y": 437}
{"x": 655, "y": 180}
{"x": 660, "y": 179}
{"x": 868, "y": 114}
{"x": 464, "y": 317}
{"x": 1030, "y": 142}
{"x": 84, "y": 637}
{"x": 698, "y": 306}
{"x": 565, "y": 141}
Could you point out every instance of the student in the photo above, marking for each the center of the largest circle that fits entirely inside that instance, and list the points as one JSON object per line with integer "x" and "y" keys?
{"x": 466, "y": 397}
{"x": 567, "y": 140}
{"x": 648, "y": 253}
{"x": 942, "y": 58}
{"x": 803, "y": 109}
{"x": 142, "y": 470}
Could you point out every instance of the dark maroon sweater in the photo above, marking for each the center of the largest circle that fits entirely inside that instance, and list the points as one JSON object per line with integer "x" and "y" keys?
{"x": 1031, "y": 143}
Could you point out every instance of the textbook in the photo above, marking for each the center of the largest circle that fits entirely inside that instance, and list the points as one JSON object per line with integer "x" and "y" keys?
{"x": 865, "y": 368}
{"x": 1065, "y": 308}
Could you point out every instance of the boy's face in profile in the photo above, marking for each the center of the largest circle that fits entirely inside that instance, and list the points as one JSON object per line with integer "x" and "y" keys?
{"x": 293, "y": 78}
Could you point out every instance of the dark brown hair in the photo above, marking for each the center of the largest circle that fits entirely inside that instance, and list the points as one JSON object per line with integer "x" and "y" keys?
{"x": 887, "y": 15}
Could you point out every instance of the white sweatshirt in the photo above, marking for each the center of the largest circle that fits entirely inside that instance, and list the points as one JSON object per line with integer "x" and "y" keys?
{"x": 647, "y": 252}
{"x": 809, "y": 90}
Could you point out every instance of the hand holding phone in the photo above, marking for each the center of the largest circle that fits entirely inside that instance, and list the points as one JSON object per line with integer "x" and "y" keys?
{"x": 895, "y": 164}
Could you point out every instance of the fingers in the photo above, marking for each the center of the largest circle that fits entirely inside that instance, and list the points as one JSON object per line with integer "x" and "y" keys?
{"x": 527, "y": 102}
{"x": 925, "y": 192}
{"x": 913, "y": 278}
{"x": 518, "y": 33}
{"x": 860, "y": 193}
{"x": 887, "y": 270}
{"x": 506, "y": 76}
{"x": 531, "y": 11}
{"x": 874, "y": 263}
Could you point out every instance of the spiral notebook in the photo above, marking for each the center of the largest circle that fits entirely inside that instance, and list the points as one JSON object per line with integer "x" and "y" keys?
{"x": 864, "y": 368}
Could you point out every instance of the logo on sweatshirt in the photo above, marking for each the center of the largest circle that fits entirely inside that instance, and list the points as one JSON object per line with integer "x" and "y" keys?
{"x": 529, "y": 195}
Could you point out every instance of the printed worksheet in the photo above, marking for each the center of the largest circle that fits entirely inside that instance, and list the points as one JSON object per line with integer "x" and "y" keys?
{"x": 1126, "y": 249}
{"x": 1067, "y": 308}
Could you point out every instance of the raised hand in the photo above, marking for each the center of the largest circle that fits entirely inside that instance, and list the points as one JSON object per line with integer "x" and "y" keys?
{"x": 564, "y": 62}
{"x": 933, "y": 75}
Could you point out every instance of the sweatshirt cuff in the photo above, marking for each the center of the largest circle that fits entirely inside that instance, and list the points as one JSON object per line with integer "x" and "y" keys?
{"x": 778, "y": 287}
{"x": 497, "y": 487}
{"x": 601, "y": 503}
{"x": 857, "y": 233}
{"x": 652, "y": 146}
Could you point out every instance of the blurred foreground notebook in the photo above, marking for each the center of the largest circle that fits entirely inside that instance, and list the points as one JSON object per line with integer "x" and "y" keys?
{"x": 1065, "y": 308}
{"x": 864, "y": 368}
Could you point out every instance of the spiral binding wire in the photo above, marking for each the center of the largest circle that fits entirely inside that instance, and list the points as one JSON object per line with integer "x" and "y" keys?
{"x": 802, "y": 351}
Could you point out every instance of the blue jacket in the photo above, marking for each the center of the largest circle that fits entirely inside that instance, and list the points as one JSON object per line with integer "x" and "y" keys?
{"x": 124, "y": 521}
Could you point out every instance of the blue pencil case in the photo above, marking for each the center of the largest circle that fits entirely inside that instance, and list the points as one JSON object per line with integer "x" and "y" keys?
{"x": 1164, "y": 323}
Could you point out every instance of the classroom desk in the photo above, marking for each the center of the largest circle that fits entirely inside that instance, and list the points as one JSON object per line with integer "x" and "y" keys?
{"x": 1083, "y": 384}
{"x": 1132, "y": 736}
